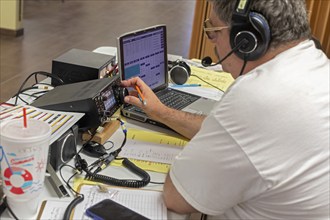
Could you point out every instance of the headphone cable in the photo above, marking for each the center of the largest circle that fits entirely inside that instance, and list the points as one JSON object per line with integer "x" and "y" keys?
{"x": 207, "y": 82}
{"x": 244, "y": 64}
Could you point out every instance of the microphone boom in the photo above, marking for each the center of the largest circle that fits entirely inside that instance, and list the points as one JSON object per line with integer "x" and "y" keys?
{"x": 207, "y": 61}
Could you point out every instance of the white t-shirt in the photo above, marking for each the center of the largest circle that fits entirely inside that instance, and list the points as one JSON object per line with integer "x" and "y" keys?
{"x": 263, "y": 152}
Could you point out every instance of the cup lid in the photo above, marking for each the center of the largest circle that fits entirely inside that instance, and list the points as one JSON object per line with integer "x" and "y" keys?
{"x": 35, "y": 130}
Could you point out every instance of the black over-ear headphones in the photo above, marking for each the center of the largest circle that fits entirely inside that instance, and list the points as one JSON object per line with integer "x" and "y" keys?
{"x": 251, "y": 26}
{"x": 179, "y": 72}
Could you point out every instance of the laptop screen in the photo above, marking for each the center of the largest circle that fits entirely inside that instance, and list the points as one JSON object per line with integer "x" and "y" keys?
{"x": 143, "y": 53}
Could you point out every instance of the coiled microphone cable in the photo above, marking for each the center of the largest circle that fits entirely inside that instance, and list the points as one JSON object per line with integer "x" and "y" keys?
{"x": 122, "y": 182}
{"x": 82, "y": 165}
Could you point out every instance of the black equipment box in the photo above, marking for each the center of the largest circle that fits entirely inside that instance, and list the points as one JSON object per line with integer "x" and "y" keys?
{"x": 81, "y": 65}
{"x": 98, "y": 99}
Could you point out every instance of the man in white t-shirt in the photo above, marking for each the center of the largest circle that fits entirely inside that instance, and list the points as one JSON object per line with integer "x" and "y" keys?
{"x": 263, "y": 152}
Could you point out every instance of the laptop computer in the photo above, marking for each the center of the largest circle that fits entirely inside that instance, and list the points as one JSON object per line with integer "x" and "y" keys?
{"x": 143, "y": 53}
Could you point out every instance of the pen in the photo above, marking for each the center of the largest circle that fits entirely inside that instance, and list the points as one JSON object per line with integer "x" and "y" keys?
{"x": 142, "y": 99}
{"x": 187, "y": 85}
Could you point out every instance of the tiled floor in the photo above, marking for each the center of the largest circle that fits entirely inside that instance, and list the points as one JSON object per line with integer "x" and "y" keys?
{"x": 53, "y": 27}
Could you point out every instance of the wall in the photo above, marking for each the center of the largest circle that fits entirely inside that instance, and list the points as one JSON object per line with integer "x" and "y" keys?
{"x": 11, "y": 17}
{"x": 319, "y": 16}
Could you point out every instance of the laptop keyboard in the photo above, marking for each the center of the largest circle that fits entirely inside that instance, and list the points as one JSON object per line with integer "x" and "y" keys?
{"x": 176, "y": 99}
{"x": 172, "y": 98}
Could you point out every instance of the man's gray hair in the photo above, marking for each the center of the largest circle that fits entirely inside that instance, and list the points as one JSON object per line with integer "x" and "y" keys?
{"x": 288, "y": 19}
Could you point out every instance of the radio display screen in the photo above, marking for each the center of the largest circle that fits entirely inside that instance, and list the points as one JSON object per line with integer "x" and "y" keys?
{"x": 109, "y": 99}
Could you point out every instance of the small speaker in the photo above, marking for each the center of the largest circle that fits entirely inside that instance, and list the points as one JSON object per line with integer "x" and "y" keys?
{"x": 64, "y": 148}
{"x": 179, "y": 72}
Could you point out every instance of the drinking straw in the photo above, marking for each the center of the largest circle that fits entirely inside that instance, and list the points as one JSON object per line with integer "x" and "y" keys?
{"x": 24, "y": 118}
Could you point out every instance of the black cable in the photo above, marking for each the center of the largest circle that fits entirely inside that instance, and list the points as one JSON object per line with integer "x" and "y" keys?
{"x": 72, "y": 205}
{"x": 25, "y": 89}
{"x": 244, "y": 64}
{"x": 160, "y": 183}
{"x": 67, "y": 182}
{"x": 45, "y": 84}
{"x": 9, "y": 209}
{"x": 204, "y": 217}
{"x": 2, "y": 206}
{"x": 35, "y": 74}
{"x": 36, "y": 93}
{"x": 112, "y": 145}
{"x": 94, "y": 176}
{"x": 122, "y": 182}
{"x": 207, "y": 82}
{"x": 113, "y": 155}
{"x": 78, "y": 199}
{"x": 23, "y": 100}
{"x": 81, "y": 165}
{"x": 31, "y": 95}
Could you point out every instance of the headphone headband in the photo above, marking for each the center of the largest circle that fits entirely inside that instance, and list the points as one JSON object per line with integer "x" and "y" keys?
{"x": 242, "y": 10}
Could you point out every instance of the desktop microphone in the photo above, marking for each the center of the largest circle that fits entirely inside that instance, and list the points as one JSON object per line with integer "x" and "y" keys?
{"x": 207, "y": 61}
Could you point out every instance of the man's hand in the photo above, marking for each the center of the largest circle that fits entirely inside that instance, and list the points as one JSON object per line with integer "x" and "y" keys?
{"x": 153, "y": 107}
{"x": 185, "y": 123}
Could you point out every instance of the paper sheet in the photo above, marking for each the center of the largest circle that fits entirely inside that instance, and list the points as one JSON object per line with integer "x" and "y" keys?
{"x": 153, "y": 151}
{"x": 219, "y": 79}
{"x": 156, "y": 137}
{"x": 152, "y": 146}
{"x": 53, "y": 209}
{"x": 60, "y": 122}
{"x": 146, "y": 202}
{"x": 147, "y": 165}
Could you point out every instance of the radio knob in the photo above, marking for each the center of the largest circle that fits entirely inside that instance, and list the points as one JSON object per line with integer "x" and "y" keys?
{"x": 120, "y": 94}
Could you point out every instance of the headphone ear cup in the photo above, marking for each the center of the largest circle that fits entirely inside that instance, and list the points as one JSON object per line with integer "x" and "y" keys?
{"x": 257, "y": 33}
{"x": 180, "y": 73}
{"x": 260, "y": 24}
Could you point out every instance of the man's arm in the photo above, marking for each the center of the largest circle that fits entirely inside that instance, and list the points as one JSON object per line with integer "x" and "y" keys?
{"x": 173, "y": 199}
{"x": 186, "y": 124}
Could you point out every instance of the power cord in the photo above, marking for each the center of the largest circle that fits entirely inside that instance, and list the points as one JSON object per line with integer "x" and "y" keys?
{"x": 35, "y": 74}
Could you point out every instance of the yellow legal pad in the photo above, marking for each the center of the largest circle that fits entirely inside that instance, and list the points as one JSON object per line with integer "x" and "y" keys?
{"x": 157, "y": 138}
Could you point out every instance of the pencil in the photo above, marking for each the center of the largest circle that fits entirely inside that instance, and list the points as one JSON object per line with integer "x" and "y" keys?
{"x": 187, "y": 85}
{"x": 140, "y": 95}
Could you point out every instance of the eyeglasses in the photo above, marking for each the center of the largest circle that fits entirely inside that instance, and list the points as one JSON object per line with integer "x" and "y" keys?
{"x": 211, "y": 32}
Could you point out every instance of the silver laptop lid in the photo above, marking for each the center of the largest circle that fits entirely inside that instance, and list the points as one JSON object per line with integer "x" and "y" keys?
{"x": 143, "y": 53}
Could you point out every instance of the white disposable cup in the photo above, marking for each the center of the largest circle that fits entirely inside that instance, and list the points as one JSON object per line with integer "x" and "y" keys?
{"x": 23, "y": 154}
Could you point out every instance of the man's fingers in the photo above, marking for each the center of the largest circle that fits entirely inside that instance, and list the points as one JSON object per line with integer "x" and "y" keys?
{"x": 133, "y": 101}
